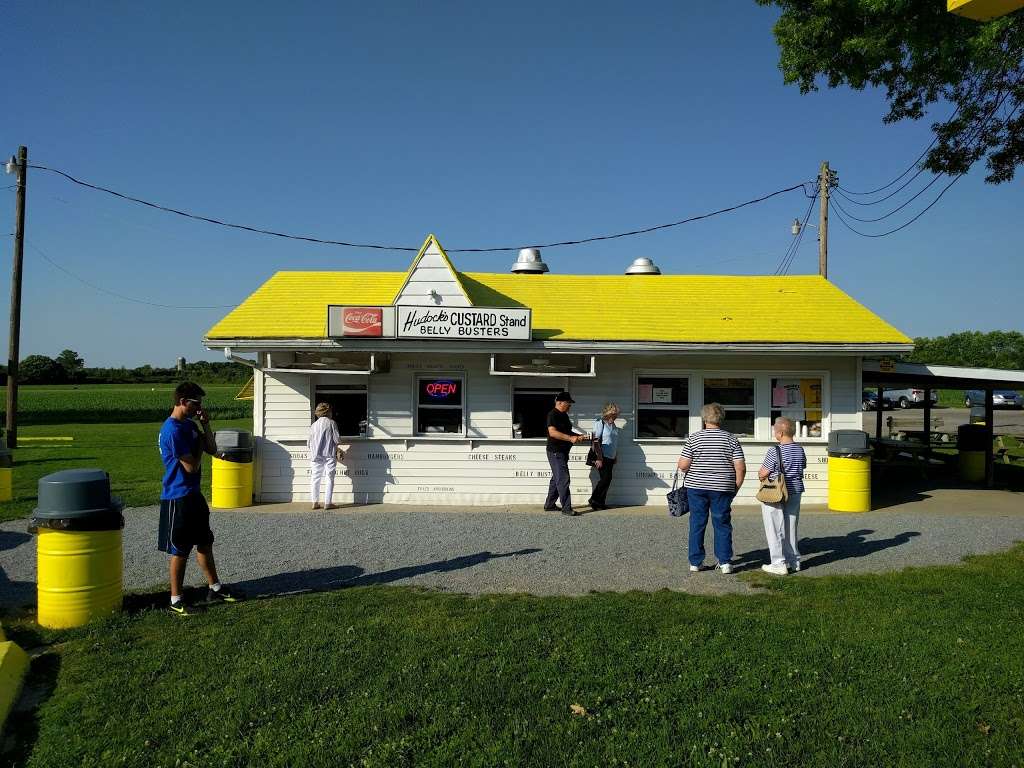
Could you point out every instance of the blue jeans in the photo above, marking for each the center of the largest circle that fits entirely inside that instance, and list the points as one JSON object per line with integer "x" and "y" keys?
{"x": 720, "y": 505}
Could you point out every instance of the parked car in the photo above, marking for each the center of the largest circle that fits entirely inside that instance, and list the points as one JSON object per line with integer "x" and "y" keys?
{"x": 869, "y": 401}
{"x": 1001, "y": 398}
{"x": 908, "y": 398}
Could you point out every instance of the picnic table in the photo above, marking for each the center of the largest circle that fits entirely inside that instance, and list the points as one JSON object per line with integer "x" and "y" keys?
{"x": 903, "y": 453}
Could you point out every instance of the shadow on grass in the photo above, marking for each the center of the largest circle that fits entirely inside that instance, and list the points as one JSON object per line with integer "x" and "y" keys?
{"x": 828, "y": 549}
{"x": 322, "y": 580}
{"x": 22, "y": 725}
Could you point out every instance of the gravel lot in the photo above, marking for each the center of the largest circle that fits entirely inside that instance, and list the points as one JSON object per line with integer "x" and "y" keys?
{"x": 283, "y": 548}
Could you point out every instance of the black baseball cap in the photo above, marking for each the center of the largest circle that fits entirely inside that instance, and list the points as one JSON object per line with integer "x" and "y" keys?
{"x": 564, "y": 396}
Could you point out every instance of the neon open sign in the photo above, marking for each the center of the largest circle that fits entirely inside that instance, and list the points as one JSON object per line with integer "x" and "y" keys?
{"x": 441, "y": 390}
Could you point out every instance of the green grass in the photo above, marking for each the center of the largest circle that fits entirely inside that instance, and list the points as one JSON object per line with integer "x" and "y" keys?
{"x": 128, "y": 452}
{"x": 920, "y": 668}
{"x": 115, "y": 403}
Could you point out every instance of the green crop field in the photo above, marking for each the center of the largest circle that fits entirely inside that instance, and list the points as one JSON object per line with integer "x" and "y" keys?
{"x": 116, "y": 403}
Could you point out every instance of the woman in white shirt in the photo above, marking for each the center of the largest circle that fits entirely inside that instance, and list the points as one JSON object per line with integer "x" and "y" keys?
{"x": 324, "y": 453}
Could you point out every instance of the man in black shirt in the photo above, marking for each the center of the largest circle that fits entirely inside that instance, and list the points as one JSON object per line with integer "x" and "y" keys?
{"x": 560, "y": 441}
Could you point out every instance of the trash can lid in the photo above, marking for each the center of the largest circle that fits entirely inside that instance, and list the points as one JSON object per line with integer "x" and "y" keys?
{"x": 227, "y": 439}
{"x": 848, "y": 441}
{"x": 75, "y": 493}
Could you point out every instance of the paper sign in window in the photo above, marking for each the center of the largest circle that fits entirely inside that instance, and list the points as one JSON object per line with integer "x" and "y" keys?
{"x": 662, "y": 394}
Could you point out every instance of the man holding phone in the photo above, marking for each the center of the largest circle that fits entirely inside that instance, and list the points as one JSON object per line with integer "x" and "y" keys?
{"x": 184, "y": 513}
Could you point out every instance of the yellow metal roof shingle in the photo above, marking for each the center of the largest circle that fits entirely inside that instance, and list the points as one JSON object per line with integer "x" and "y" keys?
{"x": 662, "y": 308}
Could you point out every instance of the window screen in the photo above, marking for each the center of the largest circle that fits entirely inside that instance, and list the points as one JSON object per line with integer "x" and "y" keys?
{"x": 662, "y": 406}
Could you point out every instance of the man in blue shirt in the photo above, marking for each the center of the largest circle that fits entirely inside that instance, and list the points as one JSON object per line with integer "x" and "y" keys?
{"x": 184, "y": 513}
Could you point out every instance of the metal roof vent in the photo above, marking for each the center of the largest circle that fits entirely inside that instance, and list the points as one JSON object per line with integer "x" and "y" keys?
{"x": 529, "y": 262}
{"x": 642, "y": 266}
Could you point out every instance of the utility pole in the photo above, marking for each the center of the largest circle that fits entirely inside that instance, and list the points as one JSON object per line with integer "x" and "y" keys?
{"x": 19, "y": 166}
{"x": 825, "y": 184}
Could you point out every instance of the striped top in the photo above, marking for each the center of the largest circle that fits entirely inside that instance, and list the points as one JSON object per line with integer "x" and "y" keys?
{"x": 794, "y": 462}
{"x": 712, "y": 453}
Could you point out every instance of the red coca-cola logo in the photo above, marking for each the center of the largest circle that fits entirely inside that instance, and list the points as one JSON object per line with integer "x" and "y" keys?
{"x": 362, "y": 321}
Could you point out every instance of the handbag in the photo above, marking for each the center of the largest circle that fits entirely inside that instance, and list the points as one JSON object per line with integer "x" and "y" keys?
{"x": 678, "y": 503}
{"x": 774, "y": 491}
{"x": 594, "y": 454}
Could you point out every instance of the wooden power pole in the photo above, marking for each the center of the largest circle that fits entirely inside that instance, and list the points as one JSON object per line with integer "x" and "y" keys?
{"x": 825, "y": 182}
{"x": 12, "y": 346}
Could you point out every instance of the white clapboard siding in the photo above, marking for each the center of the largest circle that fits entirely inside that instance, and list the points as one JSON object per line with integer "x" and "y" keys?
{"x": 486, "y": 466}
{"x": 432, "y": 274}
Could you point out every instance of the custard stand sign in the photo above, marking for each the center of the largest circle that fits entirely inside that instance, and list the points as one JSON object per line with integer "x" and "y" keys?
{"x": 463, "y": 323}
{"x": 430, "y": 322}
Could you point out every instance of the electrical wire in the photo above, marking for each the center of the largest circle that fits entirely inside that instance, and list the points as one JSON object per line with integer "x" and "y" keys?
{"x": 95, "y": 287}
{"x": 787, "y": 260}
{"x": 907, "y": 224}
{"x": 378, "y": 246}
{"x": 923, "y": 189}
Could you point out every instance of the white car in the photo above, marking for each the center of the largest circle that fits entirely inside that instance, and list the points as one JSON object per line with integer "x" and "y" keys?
{"x": 908, "y": 398}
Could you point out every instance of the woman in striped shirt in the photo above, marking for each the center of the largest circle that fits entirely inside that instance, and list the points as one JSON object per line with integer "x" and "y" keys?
{"x": 715, "y": 467}
{"x": 780, "y": 520}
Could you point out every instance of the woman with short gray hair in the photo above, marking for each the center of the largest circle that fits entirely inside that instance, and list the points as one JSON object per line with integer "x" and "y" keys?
{"x": 713, "y": 461}
{"x": 606, "y": 446}
{"x": 780, "y": 520}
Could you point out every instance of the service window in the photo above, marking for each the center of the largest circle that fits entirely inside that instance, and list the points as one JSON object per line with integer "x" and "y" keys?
{"x": 348, "y": 401}
{"x": 530, "y": 409}
{"x": 662, "y": 406}
{"x": 737, "y": 397}
{"x": 799, "y": 399}
{"x": 440, "y": 404}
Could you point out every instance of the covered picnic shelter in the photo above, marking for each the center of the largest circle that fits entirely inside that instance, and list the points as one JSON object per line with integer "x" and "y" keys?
{"x": 884, "y": 374}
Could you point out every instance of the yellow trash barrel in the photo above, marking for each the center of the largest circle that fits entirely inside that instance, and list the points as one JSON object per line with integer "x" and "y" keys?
{"x": 80, "y": 576}
{"x": 970, "y": 443}
{"x": 231, "y": 483}
{"x": 80, "y": 553}
{"x": 6, "y": 474}
{"x": 849, "y": 483}
{"x": 849, "y": 471}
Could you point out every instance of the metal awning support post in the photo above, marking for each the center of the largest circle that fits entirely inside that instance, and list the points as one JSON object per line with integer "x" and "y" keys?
{"x": 878, "y": 415}
{"x": 990, "y": 467}
{"x": 928, "y": 426}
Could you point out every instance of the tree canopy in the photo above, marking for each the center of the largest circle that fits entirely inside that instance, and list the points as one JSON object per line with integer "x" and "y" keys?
{"x": 922, "y": 55}
{"x": 996, "y": 349}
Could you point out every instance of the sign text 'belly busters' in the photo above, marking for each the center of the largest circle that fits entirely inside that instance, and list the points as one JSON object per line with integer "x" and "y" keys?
{"x": 468, "y": 323}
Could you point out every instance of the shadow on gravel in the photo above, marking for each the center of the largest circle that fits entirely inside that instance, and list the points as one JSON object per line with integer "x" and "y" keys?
{"x": 321, "y": 580}
{"x": 14, "y": 595}
{"x": 828, "y": 549}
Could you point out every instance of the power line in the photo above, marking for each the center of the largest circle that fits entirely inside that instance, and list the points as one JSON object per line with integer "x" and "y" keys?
{"x": 95, "y": 287}
{"x": 787, "y": 260}
{"x": 923, "y": 189}
{"x": 907, "y": 224}
{"x": 378, "y": 246}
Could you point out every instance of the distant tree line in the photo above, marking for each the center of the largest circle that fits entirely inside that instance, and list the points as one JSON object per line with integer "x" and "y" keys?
{"x": 69, "y": 368}
{"x": 995, "y": 349}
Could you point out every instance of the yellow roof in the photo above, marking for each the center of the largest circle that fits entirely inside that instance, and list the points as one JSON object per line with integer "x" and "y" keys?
{"x": 657, "y": 308}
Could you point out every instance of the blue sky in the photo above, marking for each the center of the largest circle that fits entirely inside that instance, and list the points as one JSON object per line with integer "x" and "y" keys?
{"x": 485, "y": 123}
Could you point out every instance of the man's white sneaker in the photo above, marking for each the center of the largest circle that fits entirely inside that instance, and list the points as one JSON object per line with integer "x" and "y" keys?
{"x": 778, "y": 570}
{"x": 697, "y": 568}
{"x": 724, "y": 567}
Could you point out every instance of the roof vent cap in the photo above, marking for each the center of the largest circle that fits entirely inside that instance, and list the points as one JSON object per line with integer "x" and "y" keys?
{"x": 642, "y": 266}
{"x": 529, "y": 262}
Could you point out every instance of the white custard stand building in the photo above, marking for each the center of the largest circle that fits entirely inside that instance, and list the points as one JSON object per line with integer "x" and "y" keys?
{"x": 441, "y": 379}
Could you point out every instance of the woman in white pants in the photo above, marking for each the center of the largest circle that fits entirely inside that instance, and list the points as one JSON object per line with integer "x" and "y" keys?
{"x": 324, "y": 453}
{"x": 781, "y": 520}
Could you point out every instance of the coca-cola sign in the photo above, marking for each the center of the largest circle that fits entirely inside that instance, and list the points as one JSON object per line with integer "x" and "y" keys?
{"x": 362, "y": 321}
